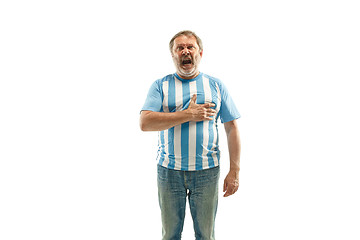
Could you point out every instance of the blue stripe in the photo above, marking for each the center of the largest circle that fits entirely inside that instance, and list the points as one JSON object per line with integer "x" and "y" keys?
{"x": 199, "y": 127}
{"x": 172, "y": 95}
{"x": 217, "y": 102}
{"x": 210, "y": 145}
{"x": 185, "y": 130}
{"x": 162, "y": 148}
{"x": 217, "y": 144}
{"x": 185, "y": 146}
{"x": 199, "y": 145}
{"x": 211, "y": 124}
{"x": 171, "y": 102}
{"x": 171, "y": 164}
{"x": 162, "y": 139}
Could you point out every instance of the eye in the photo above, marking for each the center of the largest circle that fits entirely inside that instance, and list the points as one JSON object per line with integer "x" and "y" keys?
{"x": 180, "y": 48}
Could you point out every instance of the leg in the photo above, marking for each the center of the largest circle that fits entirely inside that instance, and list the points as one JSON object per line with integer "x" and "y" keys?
{"x": 172, "y": 201}
{"x": 203, "y": 199}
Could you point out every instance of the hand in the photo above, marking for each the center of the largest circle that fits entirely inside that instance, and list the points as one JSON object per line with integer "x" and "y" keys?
{"x": 231, "y": 183}
{"x": 200, "y": 112}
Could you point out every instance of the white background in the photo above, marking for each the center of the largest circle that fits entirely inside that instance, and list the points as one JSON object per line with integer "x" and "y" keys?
{"x": 73, "y": 78}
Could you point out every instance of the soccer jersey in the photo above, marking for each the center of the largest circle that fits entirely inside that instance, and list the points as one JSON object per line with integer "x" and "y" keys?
{"x": 190, "y": 146}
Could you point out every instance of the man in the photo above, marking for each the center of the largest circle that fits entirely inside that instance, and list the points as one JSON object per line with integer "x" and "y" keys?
{"x": 185, "y": 108}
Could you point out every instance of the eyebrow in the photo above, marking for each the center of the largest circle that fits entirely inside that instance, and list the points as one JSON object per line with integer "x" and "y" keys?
{"x": 183, "y": 44}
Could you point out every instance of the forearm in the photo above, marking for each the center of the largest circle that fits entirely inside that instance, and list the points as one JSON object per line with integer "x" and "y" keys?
{"x": 158, "y": 121}
{"x": 234, "y": 152}
{"x": 234, "y": 145}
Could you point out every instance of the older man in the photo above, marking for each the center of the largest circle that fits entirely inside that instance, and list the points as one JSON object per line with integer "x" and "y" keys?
{"x": 185, "y": 108}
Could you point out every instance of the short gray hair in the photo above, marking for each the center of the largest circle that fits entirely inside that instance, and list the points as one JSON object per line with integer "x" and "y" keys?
{"x": 187, "y": 33}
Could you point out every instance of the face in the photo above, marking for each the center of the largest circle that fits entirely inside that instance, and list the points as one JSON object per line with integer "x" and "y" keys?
{"x": 186, "y": 56}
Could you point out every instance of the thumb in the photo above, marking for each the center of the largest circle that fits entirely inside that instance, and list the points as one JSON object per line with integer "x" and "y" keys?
{"x": 225, "y": 186}
{"x": 193, "y": 99}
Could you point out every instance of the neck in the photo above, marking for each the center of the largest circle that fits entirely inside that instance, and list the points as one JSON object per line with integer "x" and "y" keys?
{"x": 188, "y": 76}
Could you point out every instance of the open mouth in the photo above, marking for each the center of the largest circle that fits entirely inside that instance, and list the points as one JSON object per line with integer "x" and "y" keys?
{"x": 186, "y": 61}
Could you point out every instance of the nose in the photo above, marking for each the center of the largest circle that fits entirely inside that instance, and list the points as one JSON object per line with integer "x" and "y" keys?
{"x": 185, "y": 51}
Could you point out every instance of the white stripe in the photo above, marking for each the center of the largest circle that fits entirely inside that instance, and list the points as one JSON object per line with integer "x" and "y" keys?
{"x": 159, "y": 149}
{"x": 218, "y": 98}
{"x": 192, "y": 133}
{"x": 177, "y": 146}
{"x": 166, "y": 96}
{"x": 177, "y": 129}
{"x": 205, "y": 163}
{"x": 207, "y": 90}
{"x": 216, "y": 160}
{"x": 166, "y": 132}
{"x": 178, "y": 95}
{"x": 166, "y": 155}
{"x": 208, "y": 99}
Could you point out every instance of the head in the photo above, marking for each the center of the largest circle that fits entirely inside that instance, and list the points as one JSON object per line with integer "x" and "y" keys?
{"x": 186, "y": 50}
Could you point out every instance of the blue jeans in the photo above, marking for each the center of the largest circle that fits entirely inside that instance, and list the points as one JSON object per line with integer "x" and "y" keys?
{"x": 201, "y": 187}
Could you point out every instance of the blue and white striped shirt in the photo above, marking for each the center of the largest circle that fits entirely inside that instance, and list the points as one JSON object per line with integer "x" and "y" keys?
{"x": 190, "y": 146}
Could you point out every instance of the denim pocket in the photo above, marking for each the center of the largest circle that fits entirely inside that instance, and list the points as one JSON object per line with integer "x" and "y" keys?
{"x": 162, "y": 173}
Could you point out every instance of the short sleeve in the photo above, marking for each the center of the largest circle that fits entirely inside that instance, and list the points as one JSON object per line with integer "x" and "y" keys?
{"x": 228, "y": 110}
{"x": 153, "y": 100}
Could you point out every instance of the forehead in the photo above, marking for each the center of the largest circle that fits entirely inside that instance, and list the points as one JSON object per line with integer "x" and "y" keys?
{"x": 185, "y": 40}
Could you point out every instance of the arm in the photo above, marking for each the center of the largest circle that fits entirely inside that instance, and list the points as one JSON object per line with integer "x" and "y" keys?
{"x": 231, "y": 182}
{"x": 158, "y": 121}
